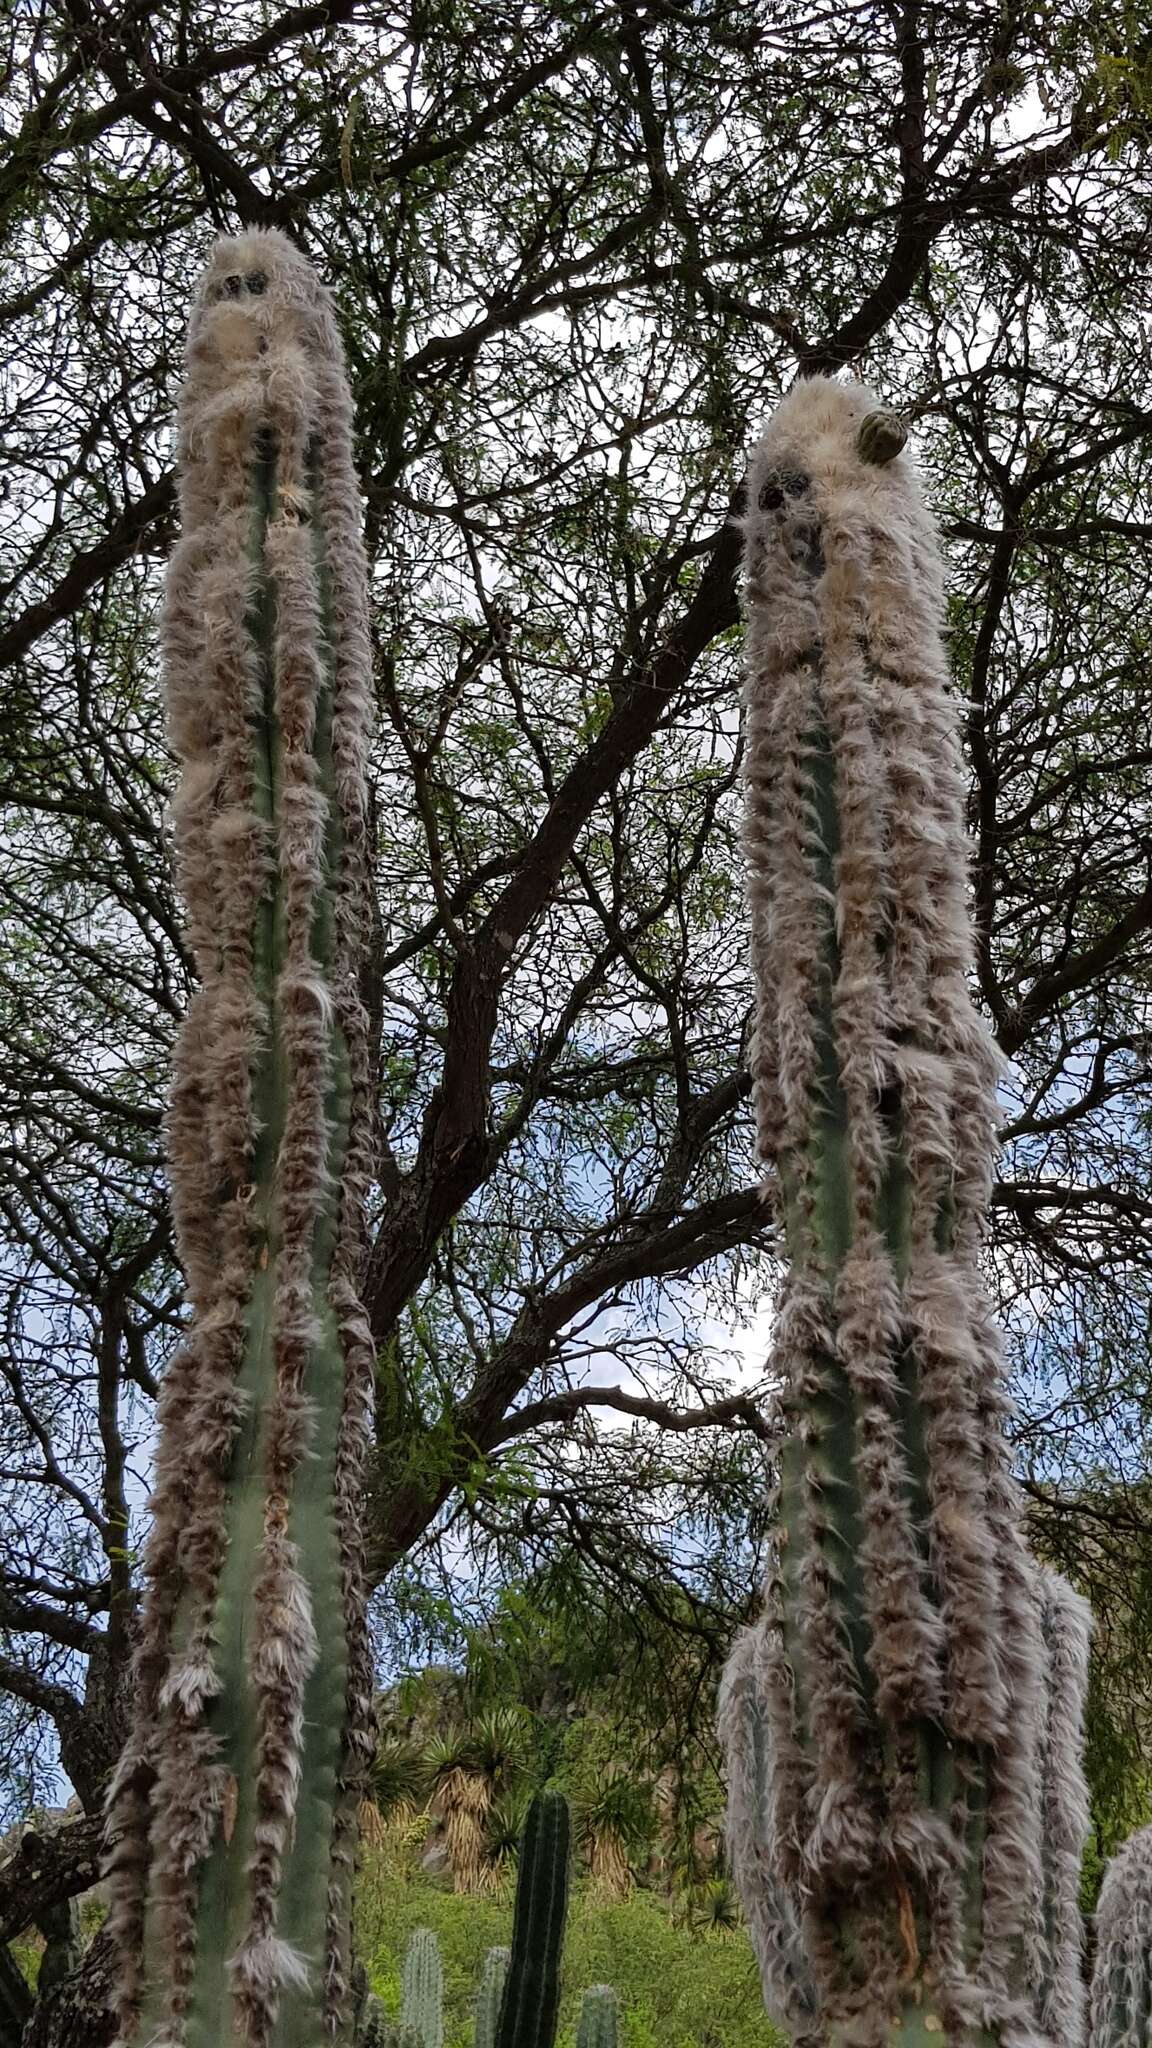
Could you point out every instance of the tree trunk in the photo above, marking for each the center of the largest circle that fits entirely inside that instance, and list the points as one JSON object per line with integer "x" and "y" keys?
{"x": 77, "y": 2013}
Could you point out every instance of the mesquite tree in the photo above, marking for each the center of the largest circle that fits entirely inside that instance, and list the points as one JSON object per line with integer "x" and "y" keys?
{"x": 232, "y": 1813}
{"x": 907, "y": 1802}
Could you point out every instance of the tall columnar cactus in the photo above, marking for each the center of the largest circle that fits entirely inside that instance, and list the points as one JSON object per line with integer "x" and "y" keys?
{"x": 886, "y": 1718}
{"x": 422, "y": 1988}
{"x": 232, "y": 1814}
{"x": 598, "y": 2025}
{"x": 489, "y": 1994}
{"x": 1058, "y": 1991}
{"x": 532, "y": 1987}
{"x": 1121, "y": 2004}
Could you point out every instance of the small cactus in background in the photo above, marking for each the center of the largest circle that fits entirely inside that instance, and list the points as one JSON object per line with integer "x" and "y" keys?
{"x": 885, "y": 1724}
{"x": 518, "y": 1996}
{"x": 532, "y": 1986}
{"x": 598, "y": 2025}
{"x": 1121, "y": 1999}
{"x": 232, "y": 1814}
{"x": 372, "y": 2030}
{"x": 422, "y": 1989}
{"x": 489, "y": 1994}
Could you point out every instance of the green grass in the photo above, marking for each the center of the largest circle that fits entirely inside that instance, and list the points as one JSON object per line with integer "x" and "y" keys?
{"x": 678, "y": 1988}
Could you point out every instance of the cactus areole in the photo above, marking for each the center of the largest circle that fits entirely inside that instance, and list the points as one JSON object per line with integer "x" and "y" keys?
{"x": 899, "y": 1831}
{"x": 232, "y": 1814}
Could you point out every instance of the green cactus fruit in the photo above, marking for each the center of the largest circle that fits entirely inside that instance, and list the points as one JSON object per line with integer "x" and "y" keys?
{"x": 887, "y": 1718}
{"x": 422, "y": 1989}
{"x": 598, "y": 2025}
{"x": 1121, "y": 1998}
{"x": 532, "y": 1987}
{"x": 231, "y": 1818}
{"x": 489, "y": 1993}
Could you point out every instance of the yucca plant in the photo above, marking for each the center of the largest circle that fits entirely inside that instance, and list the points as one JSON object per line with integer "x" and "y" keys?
{"x": 505, "y": 1828}
{"x": 460, "y": 1797}
{"x": 716, "y": 1907}
{"x": 615, "y": 1826}
{"x": 400, "y": 1778}
{"x": 232, "y": 1814}
{"x": 472, "y": 1772}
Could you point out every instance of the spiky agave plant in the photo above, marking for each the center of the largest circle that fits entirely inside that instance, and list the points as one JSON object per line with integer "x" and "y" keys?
{"x": 885, "y": 1722}
{"x": 232, "y": 1813}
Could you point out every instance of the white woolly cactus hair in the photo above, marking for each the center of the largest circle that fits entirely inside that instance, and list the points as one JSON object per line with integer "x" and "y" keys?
{"x": 253, "y": 1680}
{"x": 1121, "y": 2002}
{"x": 902, "y": 1639}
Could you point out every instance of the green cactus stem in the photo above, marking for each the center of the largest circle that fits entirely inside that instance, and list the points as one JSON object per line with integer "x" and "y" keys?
{"x": 422, "y": 1988}
{"x": 532, "y": 1987}
{"x": 1121, "y": 1998}
{"x": 598, "y": 2025}
{"x": 231, "y": 1817}
{"x": 885, "y": 1726}
{"x": 489, "y": 1994}
{"x": 373, "y": 2029}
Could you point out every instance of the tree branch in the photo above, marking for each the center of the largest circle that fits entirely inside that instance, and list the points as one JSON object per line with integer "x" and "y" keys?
{"x": 738, "y": 1409}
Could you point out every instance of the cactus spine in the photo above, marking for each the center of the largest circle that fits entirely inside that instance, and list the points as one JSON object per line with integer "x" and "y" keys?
{"x": 422, "y": 1989}
{"x": 884, "y": 1721}
{"x": 532, "y": 1987}
{"x": 598, "y": 2025}
{"x": 232, "y": 1813}
{"x": 489, "y": 1993}
{"x": 1121, "y": 2000}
